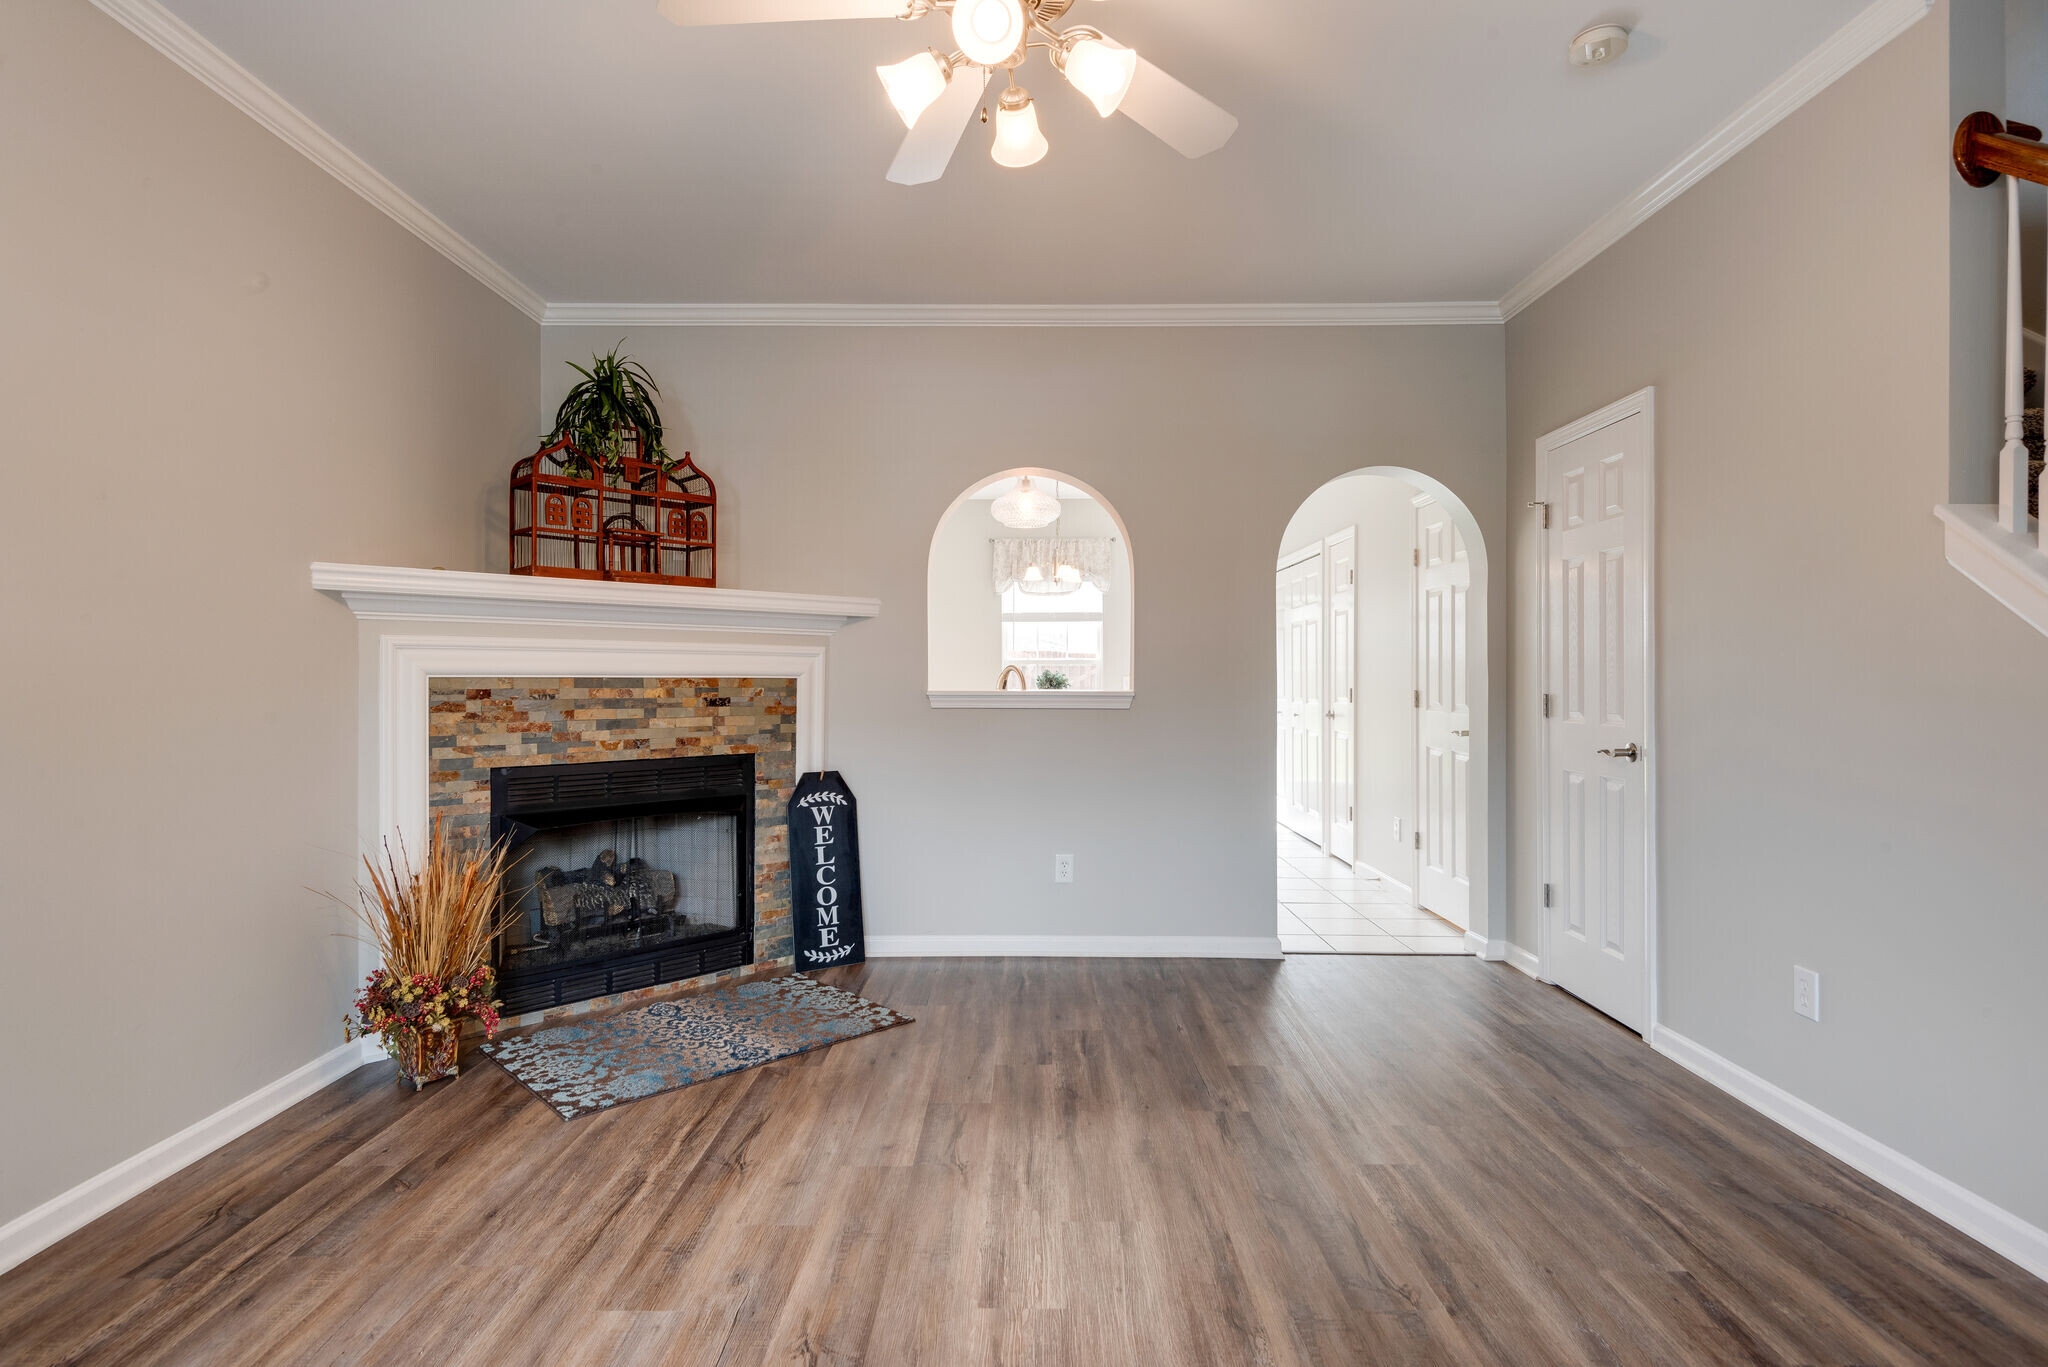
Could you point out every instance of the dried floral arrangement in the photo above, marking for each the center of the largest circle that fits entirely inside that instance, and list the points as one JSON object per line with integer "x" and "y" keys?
{"x": 434, "y": 926}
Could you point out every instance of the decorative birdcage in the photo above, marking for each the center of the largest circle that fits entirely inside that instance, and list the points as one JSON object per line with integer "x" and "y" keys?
{"x": 632, "y": 521}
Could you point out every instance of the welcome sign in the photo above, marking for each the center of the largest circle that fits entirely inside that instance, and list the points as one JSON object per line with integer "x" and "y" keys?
{"x": 824, "y": 873}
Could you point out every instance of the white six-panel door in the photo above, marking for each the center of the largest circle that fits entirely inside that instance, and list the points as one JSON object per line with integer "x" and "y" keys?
{"x": 1340, "y": 556}
{"x": 1299, "y": 604}
{"x": 1596, "y": 577}
{"x": 1444, "y": 722}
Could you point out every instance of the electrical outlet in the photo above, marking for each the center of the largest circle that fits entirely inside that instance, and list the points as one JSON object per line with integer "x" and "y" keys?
{"x": 1063, "y": 868}
{"x": 1806, "y": 992}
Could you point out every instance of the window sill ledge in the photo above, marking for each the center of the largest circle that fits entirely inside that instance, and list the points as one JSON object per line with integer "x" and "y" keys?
{"x": 1034, "y": 700}
{"x": 2011, "y": 568}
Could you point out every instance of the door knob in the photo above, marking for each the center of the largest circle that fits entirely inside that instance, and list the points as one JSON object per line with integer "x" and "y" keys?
{"x": 1331, "y": 715}
{"x": 1628, "y": 752}
{"x": 1461, "y": 733}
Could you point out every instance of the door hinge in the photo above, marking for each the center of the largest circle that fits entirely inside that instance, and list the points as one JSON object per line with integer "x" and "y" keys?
{"x": 1418, "y": 697}
{"x": 1351, "y": 814}
{"x": 1546, "y": 894}
{"x": 1351, "y": 576}
{"x": 1539, "y": 503}
{"x": 1546, "y": 706}
{"x": 1418, "y": 837}
{"x": 1418, "y": 557}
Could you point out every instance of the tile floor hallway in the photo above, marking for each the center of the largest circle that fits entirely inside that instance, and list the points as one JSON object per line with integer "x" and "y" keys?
{"x": 1327, "y": 907}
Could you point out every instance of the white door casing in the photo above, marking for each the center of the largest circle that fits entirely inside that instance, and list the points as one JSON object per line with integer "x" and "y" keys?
{"x": 1444, "y": 717}
{"x": 1340, "y": 710}
{"x": 1597, "y": 933}
{"x": 1299, "y": 616}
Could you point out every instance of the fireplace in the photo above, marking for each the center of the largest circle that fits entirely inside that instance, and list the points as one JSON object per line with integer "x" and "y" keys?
{"x": 626, "y": 875}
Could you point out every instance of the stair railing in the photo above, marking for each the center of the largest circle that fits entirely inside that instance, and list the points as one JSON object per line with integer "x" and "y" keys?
{"x": 1985, "y": 149}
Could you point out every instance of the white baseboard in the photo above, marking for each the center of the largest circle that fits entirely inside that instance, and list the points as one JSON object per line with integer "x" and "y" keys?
{"x": 27, "y": 1235}
{"x": 1073, "y": 946}
{"x": 1518, "y": 957}
{"x": 1477, "y": 945}
{"x": 1993, "y": 1226}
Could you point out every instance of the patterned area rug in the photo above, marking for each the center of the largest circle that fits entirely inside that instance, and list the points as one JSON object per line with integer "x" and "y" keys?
{"x": 591, "y": 1066}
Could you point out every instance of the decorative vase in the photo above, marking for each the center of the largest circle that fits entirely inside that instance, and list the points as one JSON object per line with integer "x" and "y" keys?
{"x": 423, "y": 1055}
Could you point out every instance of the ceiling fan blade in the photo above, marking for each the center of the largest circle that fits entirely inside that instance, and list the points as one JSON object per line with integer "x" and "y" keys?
{"x": 929, "y": 146}
{"x": 1188, "y": 123}
{"x": 696, "y": 13}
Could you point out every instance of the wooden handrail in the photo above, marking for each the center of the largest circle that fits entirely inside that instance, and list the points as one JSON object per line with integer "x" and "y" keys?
{"x": 1987, "y": 148}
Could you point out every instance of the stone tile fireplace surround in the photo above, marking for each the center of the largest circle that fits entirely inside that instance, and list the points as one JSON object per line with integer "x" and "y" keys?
{"x": 671, "y": 671}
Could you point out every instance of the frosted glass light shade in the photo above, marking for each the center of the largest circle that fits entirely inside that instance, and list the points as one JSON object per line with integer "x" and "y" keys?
{"x": 914, "y": 84}
{"x": 1068, "y": 574}
{"x": 1102, "y": 70}
{"x": 1026, "y": 507}
{"x": 1018, "y": 140}
{"x": 988, "y": 31}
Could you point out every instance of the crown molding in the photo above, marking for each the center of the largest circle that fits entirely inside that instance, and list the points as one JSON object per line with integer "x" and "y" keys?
{"x": 1819, "y": 69}
{"x": 1470, "y": 313}
{"x": 179, "y": 41}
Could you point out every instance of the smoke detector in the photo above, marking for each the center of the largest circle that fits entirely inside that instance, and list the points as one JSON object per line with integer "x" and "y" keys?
{"x": 1599, "y": 45}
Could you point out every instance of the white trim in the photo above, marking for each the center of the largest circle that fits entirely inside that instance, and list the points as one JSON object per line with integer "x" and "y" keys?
{"x": 1819, "y": 69}
{"x": 1643, "y": 401}
{"x": 1522, "y": 960}
{"x": 1074, "y": 947}
{"x": 1993, "y": 1226}
{"x": 1032, "y": 700}
{"x": 384, "y": 592}
{"x": 26, "y": 1235}
{"x": 1465, "y": 313}
{"x": 1479, "y": 947}
{"x": 2009, "y": 566}
{"x": 179, "y": 41}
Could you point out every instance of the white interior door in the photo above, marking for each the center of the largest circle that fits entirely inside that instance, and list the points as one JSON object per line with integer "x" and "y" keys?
{"x": 1300, "y": 614}
{"x": 1340, "y": 709}
{"x": 1597, "y": 621}
{"x": 1444, "y": 726}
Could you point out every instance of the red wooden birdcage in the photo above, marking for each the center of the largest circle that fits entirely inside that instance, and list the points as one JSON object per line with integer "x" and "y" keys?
{"x": 632, "y": 521}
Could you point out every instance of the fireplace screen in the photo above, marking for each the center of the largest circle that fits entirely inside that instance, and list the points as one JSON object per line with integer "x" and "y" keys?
{"x": 625, "y": 875}
{"x": 606, "y": 887}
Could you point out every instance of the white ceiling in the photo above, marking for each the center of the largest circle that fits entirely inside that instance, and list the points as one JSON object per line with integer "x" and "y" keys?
{"x": 1390, "y": 150}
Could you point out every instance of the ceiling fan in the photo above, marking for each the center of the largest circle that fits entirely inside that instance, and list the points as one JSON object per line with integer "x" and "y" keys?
{"x": 937, "y": 94}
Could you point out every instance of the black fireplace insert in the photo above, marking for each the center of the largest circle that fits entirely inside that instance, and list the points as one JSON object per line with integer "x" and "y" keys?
{"x": 624, "y": 875}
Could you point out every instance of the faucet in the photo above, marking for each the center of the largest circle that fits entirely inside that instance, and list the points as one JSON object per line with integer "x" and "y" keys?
{"x": 1003, "y": 683}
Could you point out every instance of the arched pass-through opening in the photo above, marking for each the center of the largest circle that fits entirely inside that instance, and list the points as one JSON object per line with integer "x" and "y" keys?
{"x": 1031, "y": 597}
{"x": 1383, "y": 741}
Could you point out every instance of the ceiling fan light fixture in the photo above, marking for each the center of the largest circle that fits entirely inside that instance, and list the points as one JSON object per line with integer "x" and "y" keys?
{"x": 1102, "y": 70}
{"x": 1019, "y": 142}
{"x": 988, "y": 31}
{"x": 915, "y": 84}
{"x": 1026, "y": 507}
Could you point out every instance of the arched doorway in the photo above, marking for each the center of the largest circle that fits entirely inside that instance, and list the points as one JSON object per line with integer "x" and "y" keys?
{"x": 1382, "y": 684}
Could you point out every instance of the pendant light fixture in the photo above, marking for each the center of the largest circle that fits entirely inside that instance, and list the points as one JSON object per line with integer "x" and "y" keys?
{"x": 1100, "y": 68}
{"x": 1019, "y": 142}
{"x": 1026, "y": 507}
{"x": 915, "y": 83}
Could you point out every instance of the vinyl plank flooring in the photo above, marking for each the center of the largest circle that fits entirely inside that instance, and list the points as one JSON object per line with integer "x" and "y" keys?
{"x": 1403, "y": 1161}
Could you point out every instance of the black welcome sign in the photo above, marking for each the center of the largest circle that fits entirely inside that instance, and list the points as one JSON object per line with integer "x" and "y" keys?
{"x": 824, "y": 873}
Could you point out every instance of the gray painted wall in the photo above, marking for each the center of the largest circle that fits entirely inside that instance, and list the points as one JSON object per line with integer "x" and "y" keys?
{"x": 1852, "y": 739}
{"x": 836, "y": 451}
{"x": 223, "y": 365}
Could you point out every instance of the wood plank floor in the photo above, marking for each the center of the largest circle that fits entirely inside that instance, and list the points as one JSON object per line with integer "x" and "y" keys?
{"x": 1322, "y": 1161}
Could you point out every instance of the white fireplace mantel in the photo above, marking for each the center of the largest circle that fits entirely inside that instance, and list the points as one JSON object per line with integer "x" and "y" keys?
{"x": 390, "y": 593}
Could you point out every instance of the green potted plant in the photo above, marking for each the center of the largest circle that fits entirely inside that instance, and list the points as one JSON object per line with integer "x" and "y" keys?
{"x": 612, "y": 403}
{"x": 1051, "y": 678}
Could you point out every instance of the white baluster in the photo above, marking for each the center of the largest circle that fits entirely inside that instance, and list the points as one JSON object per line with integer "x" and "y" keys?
{"x": 2012, "y": 460}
